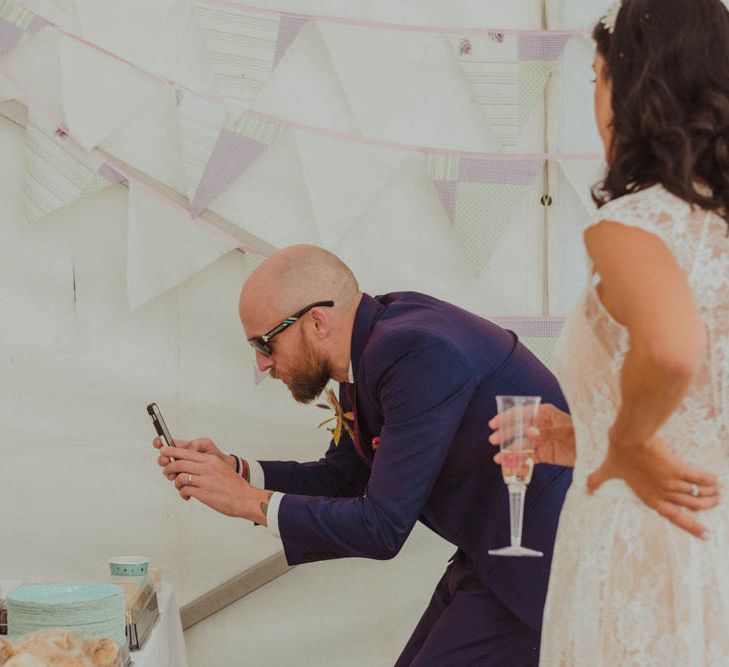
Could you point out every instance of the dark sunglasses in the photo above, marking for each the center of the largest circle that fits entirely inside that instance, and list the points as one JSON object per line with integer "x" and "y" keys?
{"x": 260, "y": 343}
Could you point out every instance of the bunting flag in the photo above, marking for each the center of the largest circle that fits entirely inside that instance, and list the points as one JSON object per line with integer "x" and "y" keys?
{"x": 58, "y": 12}
{"x": 152, "y": 124}
{"x": 321, "y": 132}
{"x": 57, "y": 171}
{"x": 343, "y": 179}
{"x": 165, "y": 247}
{"x": 306, "y": 88}
{"x": 239, "y": 144}
{"x": 508, "y": 74}
{"x": 270, "y": 199}
{"x": 244, "y": 47}
{"x": 288, "y": 28}
{"x": 480, "y": 195}
{"x": 99, "y": 92}
{"x": 7, "y": 90}
{"x": 412, "y": 90}
{"x": 164, "y": 38}
{"x": 15, "y": 23}
{"x": 34, "y": 66}
{"x": 200, "y": 123}
{"x": 111, "y": 174}
{"x": 241, "y": 47}
{"x": 403, "y": 241}
{"x": 539, "y": 334}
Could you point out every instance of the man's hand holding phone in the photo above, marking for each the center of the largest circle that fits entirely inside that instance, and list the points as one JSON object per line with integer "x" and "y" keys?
{"x": 202, "y": 445}
{"x": 201, "y": 471}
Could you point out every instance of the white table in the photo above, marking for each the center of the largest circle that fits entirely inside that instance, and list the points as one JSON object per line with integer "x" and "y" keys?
{"x": 165, "y": 646}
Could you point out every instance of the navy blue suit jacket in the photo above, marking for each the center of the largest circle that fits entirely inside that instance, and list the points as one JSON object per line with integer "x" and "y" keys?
{"x": 426, "y": 375}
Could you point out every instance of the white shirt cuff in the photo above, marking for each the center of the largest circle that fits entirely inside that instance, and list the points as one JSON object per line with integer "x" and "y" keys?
{"x": 258, "y": 479}
{"x": 272, "y": 514}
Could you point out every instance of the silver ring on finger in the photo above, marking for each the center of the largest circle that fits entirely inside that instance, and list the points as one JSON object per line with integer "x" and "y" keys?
{"x": 695, "y": 490}
{"x": 189, "y": 480}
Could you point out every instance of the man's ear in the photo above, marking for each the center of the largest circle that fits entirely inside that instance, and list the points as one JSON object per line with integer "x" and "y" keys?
{"x": 320, "y": 322}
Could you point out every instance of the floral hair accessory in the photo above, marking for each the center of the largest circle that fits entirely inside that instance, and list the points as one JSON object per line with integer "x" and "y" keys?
{"x": 611, "y": 17}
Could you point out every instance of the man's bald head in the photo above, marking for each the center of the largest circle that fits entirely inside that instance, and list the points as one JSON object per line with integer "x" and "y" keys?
{"x": 293, "y": 278}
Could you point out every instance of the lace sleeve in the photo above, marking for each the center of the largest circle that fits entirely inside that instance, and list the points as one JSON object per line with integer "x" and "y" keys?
{"x": 659, "y": 213}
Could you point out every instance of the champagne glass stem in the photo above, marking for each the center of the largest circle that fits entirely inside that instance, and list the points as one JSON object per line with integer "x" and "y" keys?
{"x": 516, "y": 512}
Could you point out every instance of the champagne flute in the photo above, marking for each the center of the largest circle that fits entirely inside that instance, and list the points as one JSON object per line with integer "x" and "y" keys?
{"x": 516, "y": 415}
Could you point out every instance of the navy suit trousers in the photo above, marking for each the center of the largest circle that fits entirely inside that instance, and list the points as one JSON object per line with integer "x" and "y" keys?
{"x": 465, "y": 625}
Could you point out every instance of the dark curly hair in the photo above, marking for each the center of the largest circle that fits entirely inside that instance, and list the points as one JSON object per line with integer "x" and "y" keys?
{"x": 668, "y": 62}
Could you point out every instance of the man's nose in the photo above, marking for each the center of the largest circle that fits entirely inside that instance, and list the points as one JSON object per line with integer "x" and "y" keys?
{"x": 263, "y": 362}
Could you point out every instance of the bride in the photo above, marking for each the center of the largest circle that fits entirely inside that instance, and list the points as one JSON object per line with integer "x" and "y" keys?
{"x": 638, "y": 576}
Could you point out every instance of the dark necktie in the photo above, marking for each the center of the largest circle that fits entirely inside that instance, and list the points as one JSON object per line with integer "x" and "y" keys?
{"x": 351, "y": 397}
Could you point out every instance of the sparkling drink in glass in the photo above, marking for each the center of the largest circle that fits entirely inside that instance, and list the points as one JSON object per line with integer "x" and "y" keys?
{"x": 516, "y": 415}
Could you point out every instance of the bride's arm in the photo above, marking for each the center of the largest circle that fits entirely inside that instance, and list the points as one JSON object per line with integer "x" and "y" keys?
{"x": 645, "y": 289}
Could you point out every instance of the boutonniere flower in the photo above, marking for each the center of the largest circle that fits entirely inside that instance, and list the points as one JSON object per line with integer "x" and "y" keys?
{"x": 343, "y": 420}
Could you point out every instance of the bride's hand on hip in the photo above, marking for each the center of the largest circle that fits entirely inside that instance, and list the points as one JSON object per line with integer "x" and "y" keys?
{"x": 553, "y": 436}
{"x": 661, "y": 480}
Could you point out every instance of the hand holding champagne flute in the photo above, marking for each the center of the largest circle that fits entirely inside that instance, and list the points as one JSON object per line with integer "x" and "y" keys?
{"x": 516, "y": 415}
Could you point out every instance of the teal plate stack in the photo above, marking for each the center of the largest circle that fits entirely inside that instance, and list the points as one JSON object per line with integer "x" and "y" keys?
{"x": 87, "y": 609}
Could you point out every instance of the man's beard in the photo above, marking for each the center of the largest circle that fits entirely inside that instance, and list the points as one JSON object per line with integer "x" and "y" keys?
{"x": 307, "y": 382}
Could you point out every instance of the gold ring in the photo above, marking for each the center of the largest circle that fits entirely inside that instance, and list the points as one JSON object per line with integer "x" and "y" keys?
{"x": 189, "y": 480}
{"x": 694, "y": 490}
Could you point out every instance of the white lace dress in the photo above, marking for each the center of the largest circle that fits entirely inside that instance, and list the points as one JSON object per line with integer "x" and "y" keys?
{"x": 627, "y": 587}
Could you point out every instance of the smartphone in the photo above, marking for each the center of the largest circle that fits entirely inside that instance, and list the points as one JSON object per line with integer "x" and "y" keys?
{"x": 159, "y": 425}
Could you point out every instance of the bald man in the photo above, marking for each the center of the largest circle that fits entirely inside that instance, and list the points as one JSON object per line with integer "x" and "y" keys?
{"x": 420, "y": 377}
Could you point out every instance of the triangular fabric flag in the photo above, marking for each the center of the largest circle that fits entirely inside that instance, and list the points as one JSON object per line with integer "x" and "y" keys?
{"x": 343, "y": 178}
{"x": 403, "y": 241}
{"x": 288, "y": 28}
{"x": 270, "y": 199}
{"x": 110, "y": 173}
{"x": 544, "y": 349}
{"x": 375, "y": 91}
{"x": 153, "y": 124}
{"x": 232, "y": 155}
{"x": 59, "y": 12}
{"x": 429, "y": 102}
{"x": 160, "y": 37}
{"x": 479, "y": 196}
{"x": 539, "y": 334}
{"x": 490, "y": 65}
{"x": 7, "y": 90}
{"x": 241, "y": 47}
{"x": 200, "y": 122}
{"x": 447, "y": 192}
{"x": 538, "y": 57}
{"x": 508, "y": 74}
{"x": 99, "y": 92}
{"x": 165, "y": 246}
{"x": 305, "y": 87}
{"x": 10, "y": 35}
{"x": 57, "y": 171}
{"x": 35, "y": 68}
{"x": 237, "y": 147}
